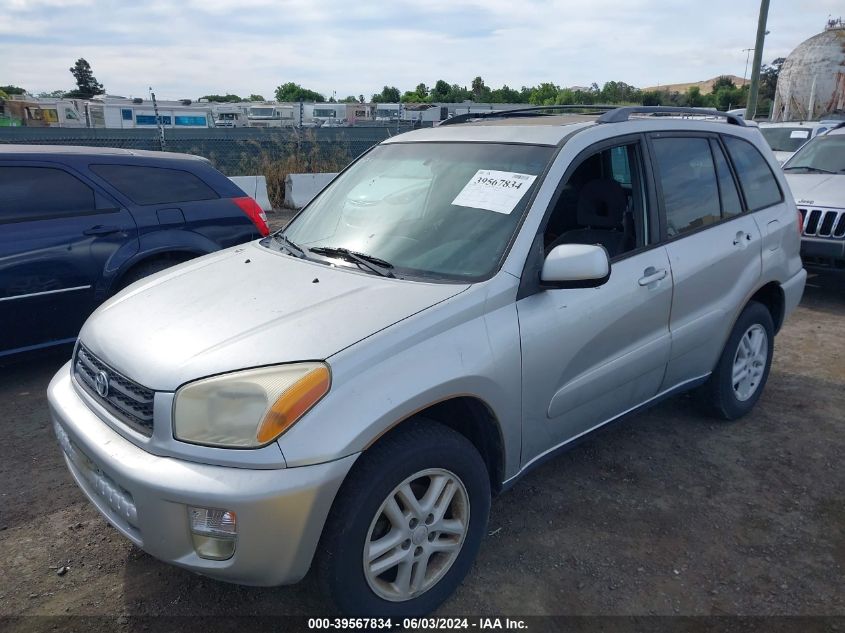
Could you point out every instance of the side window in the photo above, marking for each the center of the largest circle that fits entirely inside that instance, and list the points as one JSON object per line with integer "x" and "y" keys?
{"x": 31, "y": 193}
{"x": 687, "y": 177}
{"x": 155, "y": 185}
{"x": 731, "y": 204}
{"x": 755, "y": 176}
{"x": 602, "y": 202}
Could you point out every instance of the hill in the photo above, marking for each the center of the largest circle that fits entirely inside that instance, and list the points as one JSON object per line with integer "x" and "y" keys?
{"x": 705, "y": 86}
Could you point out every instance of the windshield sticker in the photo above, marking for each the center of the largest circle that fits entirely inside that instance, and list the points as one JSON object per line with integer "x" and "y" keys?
{"x": 498, "y": 191}
{"x": 800, "y": 134}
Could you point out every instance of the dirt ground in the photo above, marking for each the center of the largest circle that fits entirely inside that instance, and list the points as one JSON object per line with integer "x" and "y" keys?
{"x": 669, "y": 513}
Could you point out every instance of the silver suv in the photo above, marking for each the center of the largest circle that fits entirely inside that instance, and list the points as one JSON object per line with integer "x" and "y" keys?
{"x": 458, "y": 305}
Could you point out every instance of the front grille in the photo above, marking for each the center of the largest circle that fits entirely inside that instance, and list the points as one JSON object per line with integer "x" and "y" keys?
{"x": 823, "y": 222}
{"x": 130, "y": 403}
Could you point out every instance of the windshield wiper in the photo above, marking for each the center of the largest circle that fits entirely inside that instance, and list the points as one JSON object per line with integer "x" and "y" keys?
{"x": 373, "y": 263}
{"x": 816, "y": 169}
{"x": 290, "y": 245}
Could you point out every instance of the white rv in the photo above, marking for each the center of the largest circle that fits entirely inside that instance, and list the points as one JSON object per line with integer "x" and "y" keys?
{"x": 271, "y": 115}
{"x": 139, "y": 113}
{"x": 231, "y": 116}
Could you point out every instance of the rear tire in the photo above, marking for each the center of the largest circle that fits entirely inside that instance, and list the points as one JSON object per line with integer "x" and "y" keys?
{"x": 743, "y": 368}
{"x": 385, "y": 555}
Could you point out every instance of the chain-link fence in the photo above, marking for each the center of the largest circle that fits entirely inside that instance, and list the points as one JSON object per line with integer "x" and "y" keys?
{"x": 273, "y": 152}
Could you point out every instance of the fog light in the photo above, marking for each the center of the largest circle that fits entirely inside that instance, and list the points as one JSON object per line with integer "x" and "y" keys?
{"x": 214, "y": 532}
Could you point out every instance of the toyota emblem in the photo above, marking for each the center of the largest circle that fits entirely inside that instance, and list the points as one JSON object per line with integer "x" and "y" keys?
{"x": 101, "y": 382}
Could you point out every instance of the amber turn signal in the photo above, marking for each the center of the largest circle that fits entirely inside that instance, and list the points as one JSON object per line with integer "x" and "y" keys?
{"x": 294, "y": 403}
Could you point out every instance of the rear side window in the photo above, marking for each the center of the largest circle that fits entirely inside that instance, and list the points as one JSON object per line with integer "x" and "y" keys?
{"x": 688, "y": 179}
{"x": 755, "y": 177}
{"x": 155, "y": 185}
{"x": 32, "y": 193}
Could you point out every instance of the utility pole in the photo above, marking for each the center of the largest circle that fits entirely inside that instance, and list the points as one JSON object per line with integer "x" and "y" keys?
{"x": 161, "y": 141}
{"x": 751, "y": 108}
{"x": 747, "y": 52}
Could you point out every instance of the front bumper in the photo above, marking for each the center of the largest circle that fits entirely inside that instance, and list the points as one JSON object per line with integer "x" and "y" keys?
{"x": 823, "y": 251}
{"x": 280, "y": 512}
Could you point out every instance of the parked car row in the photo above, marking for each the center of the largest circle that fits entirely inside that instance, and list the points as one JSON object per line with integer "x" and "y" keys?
{"x": 458, "y": 305}
{"x": 78, "y": 224}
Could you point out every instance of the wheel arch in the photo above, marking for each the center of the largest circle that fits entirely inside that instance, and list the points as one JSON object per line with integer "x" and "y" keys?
{"x": 175, "y": 255}
{"x": 471, "y": 417}
{"x": 772, "y": 297}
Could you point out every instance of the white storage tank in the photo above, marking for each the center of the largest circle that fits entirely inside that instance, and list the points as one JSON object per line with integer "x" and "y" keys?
{"x": 811, "y": 84}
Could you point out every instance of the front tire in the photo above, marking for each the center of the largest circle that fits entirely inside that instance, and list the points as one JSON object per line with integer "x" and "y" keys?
{"x": 743, "y": 368}
{"x": 406, "y": 524}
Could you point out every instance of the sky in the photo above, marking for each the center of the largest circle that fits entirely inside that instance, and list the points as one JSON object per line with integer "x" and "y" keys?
{"x": 189, "y": 48}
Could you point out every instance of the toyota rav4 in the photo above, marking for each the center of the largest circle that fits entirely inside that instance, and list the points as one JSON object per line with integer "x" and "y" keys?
{"x": 458, "y": 305}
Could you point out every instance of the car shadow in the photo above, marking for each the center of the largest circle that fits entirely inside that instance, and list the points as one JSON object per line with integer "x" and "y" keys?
{"x": 825, "y": 291}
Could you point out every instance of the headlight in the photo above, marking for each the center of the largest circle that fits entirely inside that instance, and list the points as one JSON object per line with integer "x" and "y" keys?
{"x": 247, "y": 409}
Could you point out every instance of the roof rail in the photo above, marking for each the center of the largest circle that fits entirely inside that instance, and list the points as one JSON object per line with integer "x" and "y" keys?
{"x": 528, "y": 111}
{"x": 619, "y": 115}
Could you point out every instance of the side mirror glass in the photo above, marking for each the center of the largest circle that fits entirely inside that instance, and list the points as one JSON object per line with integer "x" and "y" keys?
{"x": 576, "y": 266}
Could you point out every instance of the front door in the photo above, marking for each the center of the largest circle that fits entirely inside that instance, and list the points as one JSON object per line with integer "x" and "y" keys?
{"x": 57, "y": 237}
{"x": 591, "y": 354}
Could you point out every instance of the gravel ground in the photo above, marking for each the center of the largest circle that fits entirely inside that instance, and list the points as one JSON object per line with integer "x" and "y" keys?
{"x": 669, "y": 513}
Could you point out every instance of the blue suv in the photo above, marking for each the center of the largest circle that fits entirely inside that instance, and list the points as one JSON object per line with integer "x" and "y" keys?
{"x": 77, "y": 224}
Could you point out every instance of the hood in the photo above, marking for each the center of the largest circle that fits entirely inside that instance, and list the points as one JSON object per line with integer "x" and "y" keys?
{"x": 817, "y": 190}
{"x": 246, "y": 307}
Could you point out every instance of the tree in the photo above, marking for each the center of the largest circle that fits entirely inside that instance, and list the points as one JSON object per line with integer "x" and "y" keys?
{"x": 256, "y": 98}
{"x": 480, "y": 92}
{"x": 694, "y": 97}
{"x": 505, "y": 95}
{"x": 389, "y": 94}
{"x": 440, "y": 92}
{"x": 87, "y": 85}
{"x": 544, "y": 94}
{"x": 294, "y": 92}
{"x": 769, "y": 74}
{"x": 349, "y": 99}
{"x": 13, "y": 90}
{"x": 53, "y": 94}
{"x": 227, "y": 98}
{"x": 653, "y": 98}
{"x": 723, "y": 82}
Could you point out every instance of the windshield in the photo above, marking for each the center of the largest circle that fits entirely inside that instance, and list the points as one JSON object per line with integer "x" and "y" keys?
{"x": 261, "y": 111}
{"x": 444, "y": 210}
{"x": 786, "y": 139}
{"x": 823, "y": 153}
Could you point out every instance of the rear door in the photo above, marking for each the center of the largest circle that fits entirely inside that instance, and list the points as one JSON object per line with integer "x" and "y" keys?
{"x": 179, "y": 195}
{"x": 714, "y": 248}
{"x": 58, "y": 234}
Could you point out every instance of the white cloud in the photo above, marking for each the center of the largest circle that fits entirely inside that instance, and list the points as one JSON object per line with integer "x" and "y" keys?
{"x": 251, "y": 46}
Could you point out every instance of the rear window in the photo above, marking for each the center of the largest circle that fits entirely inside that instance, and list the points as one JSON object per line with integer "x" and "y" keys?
{"x": 687, "y": 177}
{"x": 155, "y": 185}
{"x": 755, "y": 177}
{"x": 31, "y": 193}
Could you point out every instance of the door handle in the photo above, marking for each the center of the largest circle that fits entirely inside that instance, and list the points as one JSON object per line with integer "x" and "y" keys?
{"x": 741, "y": 238}
{"x": 101, "y": 229}
{"x": 652, "y": 275}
